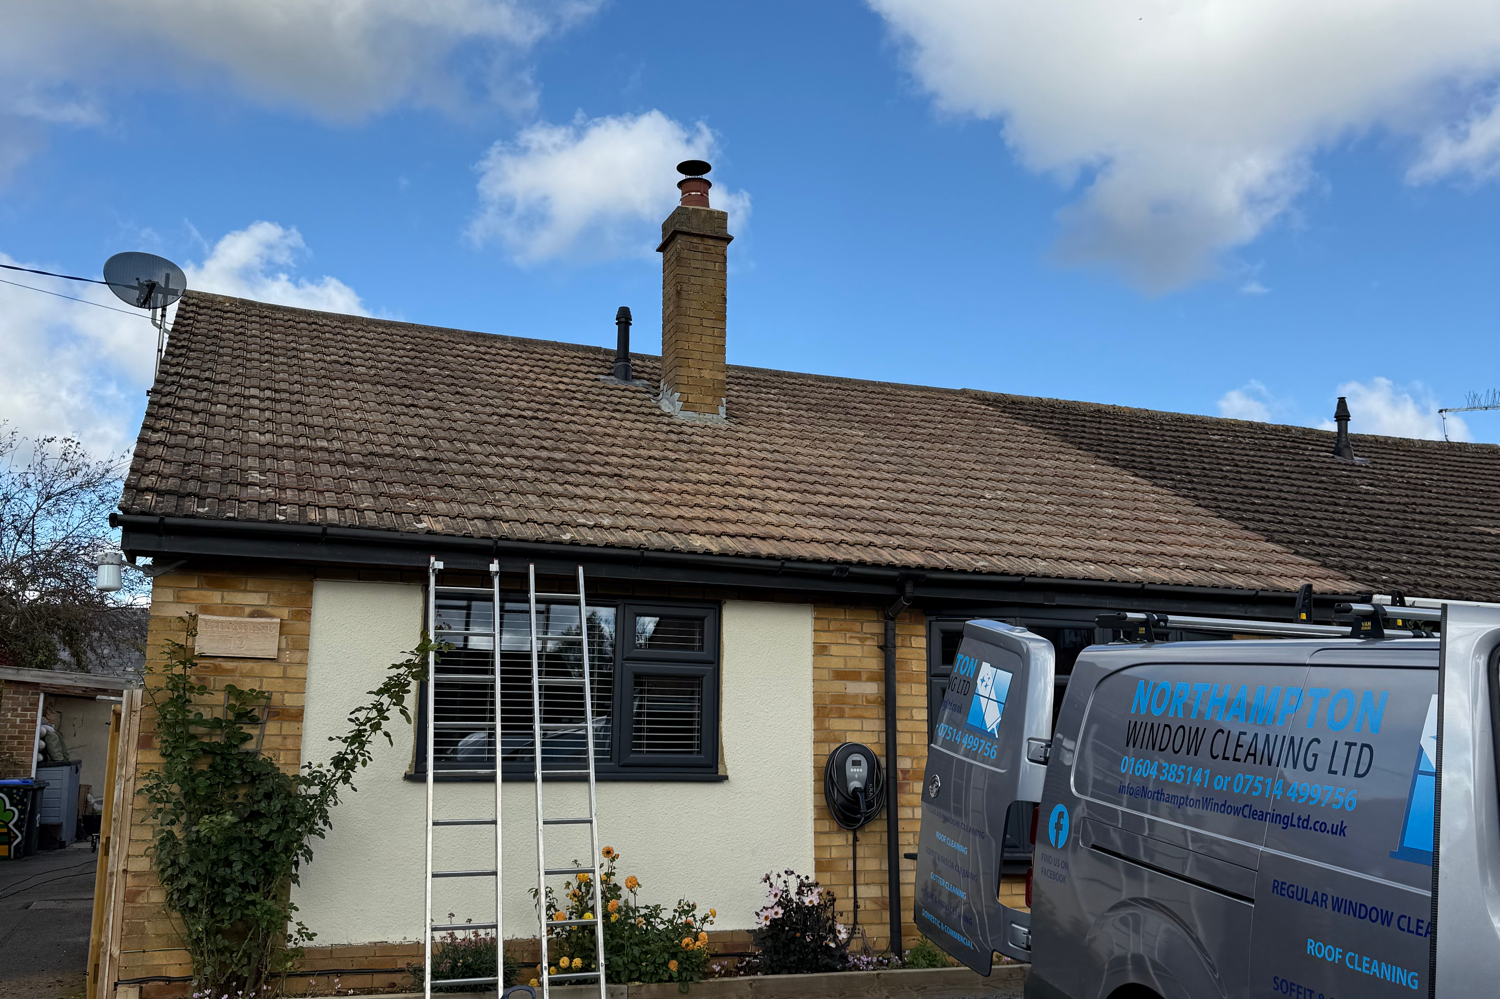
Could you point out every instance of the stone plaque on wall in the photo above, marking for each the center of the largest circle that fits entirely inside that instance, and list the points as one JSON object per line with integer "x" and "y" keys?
{"x": 240, "y": 637}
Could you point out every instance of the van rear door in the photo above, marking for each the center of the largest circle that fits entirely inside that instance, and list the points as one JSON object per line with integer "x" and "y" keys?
{"x": 1467, "y": 858}
{"x": 988, "y": 751}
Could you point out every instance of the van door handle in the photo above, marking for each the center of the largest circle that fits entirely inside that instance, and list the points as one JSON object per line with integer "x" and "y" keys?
{"x": 1039, "y": 751}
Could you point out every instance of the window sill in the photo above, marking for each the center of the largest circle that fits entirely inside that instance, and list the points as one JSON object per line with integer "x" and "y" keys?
{"x": 662, "y": 776}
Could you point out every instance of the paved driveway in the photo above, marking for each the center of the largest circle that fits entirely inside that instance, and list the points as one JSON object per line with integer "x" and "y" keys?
{"x": 46, "y": 906}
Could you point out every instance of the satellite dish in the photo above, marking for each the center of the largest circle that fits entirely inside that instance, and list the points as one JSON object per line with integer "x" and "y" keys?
{"x": 144, "y": 280}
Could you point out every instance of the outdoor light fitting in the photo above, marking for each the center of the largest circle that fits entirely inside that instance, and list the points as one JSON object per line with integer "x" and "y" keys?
{"x": 111, "y": 567}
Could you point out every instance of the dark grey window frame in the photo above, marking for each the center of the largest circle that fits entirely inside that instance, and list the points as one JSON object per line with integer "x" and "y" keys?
{"x": 622, "y": 763}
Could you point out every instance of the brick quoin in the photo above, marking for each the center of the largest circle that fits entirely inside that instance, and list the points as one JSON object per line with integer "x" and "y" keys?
{"x": 849, "y": 706}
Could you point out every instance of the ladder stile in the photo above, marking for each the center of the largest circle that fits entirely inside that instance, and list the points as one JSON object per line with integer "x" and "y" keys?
{"x": 588, "y": 718}
{"x": 536, "y": 761}
{"x": 433, "y": 565}
{"x": 499, "y": 779}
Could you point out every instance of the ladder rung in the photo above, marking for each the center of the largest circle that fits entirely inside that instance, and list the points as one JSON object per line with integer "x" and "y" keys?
{"x": 487, "y": 772}
{"x": 563, "y": 773}
{"x": 572, "y": 922}
{"x": 571, "y": 974}
{"x": 562, "y": 870}
{"x": 585, "y": 820}
{"x": 557, "y": 596}
{"x": 465, "y": 678}
{"x": 578, "y": 680}
{"x": 469, "y": 981}
{"x": 445, "y": 927}
{"x": 468, "y": 874}
{"x": 463, "y": 822}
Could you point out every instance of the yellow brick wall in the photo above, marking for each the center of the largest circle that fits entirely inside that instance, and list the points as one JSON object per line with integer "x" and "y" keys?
{"x": 849, "y": 706}
{"x": 150, "y": 942}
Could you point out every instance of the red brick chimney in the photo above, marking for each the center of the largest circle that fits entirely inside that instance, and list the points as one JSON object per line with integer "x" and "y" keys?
{"x": 694, "y": 248}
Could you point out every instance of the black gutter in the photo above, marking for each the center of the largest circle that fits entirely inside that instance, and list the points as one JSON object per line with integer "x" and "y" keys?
{"x": 892, "y": 759}
{"x": 161, "y": 537}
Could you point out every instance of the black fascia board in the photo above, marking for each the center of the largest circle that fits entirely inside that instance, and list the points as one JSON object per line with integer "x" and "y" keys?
{"x": 161, "y": 538}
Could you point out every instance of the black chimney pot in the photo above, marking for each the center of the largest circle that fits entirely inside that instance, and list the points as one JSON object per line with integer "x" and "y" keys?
{"x": 622, "y": 344}
{"x": 1341, "y": 446}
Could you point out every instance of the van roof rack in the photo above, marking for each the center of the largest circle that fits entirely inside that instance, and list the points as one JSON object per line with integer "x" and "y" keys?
{"x": 1366, "y": 621}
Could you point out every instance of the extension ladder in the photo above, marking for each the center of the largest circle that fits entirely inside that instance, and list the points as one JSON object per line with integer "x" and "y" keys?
{"x": 543, "y": 872}
{"x": 538, "y": 682}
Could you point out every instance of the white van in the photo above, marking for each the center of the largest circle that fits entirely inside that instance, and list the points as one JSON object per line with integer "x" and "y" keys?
{"x": 1313, "y": 817}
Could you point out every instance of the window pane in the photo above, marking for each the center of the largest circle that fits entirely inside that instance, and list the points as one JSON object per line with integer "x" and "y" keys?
{"x": 564, "y": 735}
{"x": 950, "y": 642}
{"x": 667, "y": 715}
{"x": 464, "y": 688}
{"x": 669, "y": 634}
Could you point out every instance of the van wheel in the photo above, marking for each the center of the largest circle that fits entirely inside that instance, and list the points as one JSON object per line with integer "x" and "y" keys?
{"x": 1133, "y": 992}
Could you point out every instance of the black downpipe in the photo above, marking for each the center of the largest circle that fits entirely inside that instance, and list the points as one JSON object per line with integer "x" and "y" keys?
{"x": 892, "y": 805}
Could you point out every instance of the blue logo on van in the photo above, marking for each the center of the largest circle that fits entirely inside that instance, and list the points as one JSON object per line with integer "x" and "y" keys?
{"x": 991, "y": 687}
{"x": 1057, "y": 827}
{"x": 1421, "y": 800}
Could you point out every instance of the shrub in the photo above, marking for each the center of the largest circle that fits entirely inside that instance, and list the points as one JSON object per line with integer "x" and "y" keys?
{"x": 797, "y": 932}
{"x": 642, "y": 943}
{"x": 926, "y": 954}
{"x": 232, "y": 829}
{"x": 463, "y": 954}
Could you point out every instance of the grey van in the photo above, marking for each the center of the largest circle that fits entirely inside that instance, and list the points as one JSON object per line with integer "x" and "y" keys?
{"x": 1233, "y": 818}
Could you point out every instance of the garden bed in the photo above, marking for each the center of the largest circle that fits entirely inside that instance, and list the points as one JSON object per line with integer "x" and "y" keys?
{"x": 903, "y": 983}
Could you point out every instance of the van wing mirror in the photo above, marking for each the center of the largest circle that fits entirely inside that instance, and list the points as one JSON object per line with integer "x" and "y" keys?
{"x": 984, "y": 756}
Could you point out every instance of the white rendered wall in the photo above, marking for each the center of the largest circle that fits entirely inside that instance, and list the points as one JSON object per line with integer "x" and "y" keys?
{"x": 709, "y": 842}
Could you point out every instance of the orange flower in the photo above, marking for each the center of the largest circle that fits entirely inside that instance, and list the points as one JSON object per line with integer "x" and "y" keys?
{"x": 687, "y": 943}
{"x": 702, "y": 937}
{"x": 583, "y": 879}
{"x": 560, "y": 915}
{"x": 614, "y": 905}
{"x": 672, "y": 965}
{"x": 608, "y": 852}
{"x": 632, "y": 883}
{"x": 712, "y": 913}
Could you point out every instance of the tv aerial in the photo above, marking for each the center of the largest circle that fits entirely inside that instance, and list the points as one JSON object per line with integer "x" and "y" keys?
{"x": 146, "y": 281}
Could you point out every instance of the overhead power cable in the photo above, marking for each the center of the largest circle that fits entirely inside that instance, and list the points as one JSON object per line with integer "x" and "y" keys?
{"x": 58, "y": 294}
{"x": 65, "y": 277}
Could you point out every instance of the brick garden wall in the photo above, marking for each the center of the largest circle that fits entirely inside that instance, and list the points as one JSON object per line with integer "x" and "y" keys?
{"x": 18, "y": 708}
{"x": 849, "y": 706}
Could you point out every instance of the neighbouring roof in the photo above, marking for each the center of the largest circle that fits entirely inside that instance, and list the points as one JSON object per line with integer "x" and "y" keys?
{"x": 277, "y": 415}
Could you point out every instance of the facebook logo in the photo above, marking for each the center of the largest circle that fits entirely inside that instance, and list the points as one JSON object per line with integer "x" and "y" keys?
{"x": 1057, "y": 827}
{"x": 990, "y": 689}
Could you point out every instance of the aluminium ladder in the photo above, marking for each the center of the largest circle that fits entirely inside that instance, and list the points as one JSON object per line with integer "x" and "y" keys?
{"x": 433, "y": 674}
{"x": 538, "y": 681}
{"x": 592, "y": 818}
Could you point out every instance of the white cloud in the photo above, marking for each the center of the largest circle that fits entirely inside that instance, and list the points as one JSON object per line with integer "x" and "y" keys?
{"x": 67, "y": 368}
{"x": 595, "y": 188}
{"x": 247, "y": 264}
{"x": 1251, "y": 401}
{"x": 1192, "y": 122}
{"x": 338, "y": 59}
{"x": 1470, "y": 148}
{"x": 1383, "y": 408}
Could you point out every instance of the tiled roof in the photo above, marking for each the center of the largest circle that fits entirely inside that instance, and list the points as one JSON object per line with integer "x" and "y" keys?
{"x": 271, "y": 414}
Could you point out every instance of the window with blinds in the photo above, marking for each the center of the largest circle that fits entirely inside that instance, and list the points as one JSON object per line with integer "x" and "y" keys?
{"x": 654, "y": 694}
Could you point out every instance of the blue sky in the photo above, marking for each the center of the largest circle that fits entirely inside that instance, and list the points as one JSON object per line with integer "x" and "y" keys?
{"x": 1186, "y": 206}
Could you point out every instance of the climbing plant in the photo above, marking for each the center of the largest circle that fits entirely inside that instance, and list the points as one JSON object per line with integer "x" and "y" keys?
{"x": 233, "y": 828}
